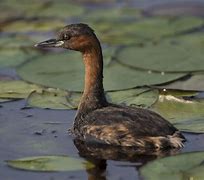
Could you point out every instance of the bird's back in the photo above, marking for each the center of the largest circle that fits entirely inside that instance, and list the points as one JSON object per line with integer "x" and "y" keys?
{"x": 127, "y": 126}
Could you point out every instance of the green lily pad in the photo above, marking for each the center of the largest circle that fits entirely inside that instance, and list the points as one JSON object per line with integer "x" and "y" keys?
{"x": 61, "y": 10}
{"x": 54, "y": 99}
{"x": 15, "y": 50}
{"x": 33, "y": 25}
{"x": 16, "y": 89}
{"x": 184, "y": 166}
{"x": 134, "y": 97}
{"x": 149, "y": 29}
{"x": 50, "y": 163}
{"x": 174, "y": 55}
{"x": 13, "y": 57}
{"x": 24, "y": 8}
{"x": 193, "y": 83}
{"x": 187, "y": 115}
{"x": 66, "y": 71}
{"x": 59, "y": 99}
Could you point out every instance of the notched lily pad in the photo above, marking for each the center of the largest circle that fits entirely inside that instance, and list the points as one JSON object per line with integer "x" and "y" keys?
{"x": 179, "y": 167}
{"x": 50, "y": 163}
{"x": 16, "y": 89}
{"x": 54, "y": 99}
{"x": 60, "y": 99}
{"x": 66, "y": 71}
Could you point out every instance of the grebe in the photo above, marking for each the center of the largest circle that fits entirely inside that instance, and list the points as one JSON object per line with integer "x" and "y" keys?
{"x": 100, "y": 121}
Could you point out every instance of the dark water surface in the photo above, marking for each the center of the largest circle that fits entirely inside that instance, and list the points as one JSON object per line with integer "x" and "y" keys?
{"x": 35, "y": 132}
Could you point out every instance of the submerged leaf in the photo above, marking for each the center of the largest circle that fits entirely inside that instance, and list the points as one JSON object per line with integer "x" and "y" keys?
{"x": 50, "y": 163}
{"x": 184, "y": 166}
{"x": 66, "y": 71}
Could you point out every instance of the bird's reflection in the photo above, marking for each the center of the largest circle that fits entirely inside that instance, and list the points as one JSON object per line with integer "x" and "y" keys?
{"x": 99, "y": 153}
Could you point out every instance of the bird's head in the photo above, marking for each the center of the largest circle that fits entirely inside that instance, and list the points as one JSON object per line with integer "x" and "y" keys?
{"x": 77, "y": 37}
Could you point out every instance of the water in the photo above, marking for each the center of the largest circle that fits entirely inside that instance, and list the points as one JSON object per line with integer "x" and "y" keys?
{"x": 35, "y": 132}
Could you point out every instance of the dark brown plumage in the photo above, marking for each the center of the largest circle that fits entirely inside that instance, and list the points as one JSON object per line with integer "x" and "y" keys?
{"x": 102, "y": 122}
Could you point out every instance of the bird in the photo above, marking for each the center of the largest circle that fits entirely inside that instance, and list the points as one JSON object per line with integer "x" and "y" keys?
{"x": 100, "y": 121}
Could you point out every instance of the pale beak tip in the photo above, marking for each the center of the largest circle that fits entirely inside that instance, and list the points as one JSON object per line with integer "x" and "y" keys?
{"x": 36, "y": 45}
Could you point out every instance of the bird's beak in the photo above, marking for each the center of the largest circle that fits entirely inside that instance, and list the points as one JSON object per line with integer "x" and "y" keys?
{"x": 50, "y": 43}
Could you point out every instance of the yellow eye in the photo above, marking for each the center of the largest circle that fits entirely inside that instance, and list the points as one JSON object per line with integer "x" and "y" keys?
{"x": 66, "y": 37}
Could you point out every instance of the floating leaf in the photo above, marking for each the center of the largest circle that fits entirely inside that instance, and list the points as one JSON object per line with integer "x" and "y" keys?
{"x": 33, "y": 25}
{"x": 134, "y": 97}
{"x": 24, "y": 8}
{"x": 54, "y": 99}
{"x": 50, "y": 163}
{"x": 187, "y": 115}
{"x": 192, "y": 83}
{"x": 59, "y": 99}
{"x": 171, "y": 55}
{"x": 61, "y": 10}
{"x": 15, "y": 50}
{"x": 13, "y": 57}
{"x": 66, "y": 71}
{"x": 16, "y": 89}
{"x": 179, "y": 167}
{"x": 149, "y": 29}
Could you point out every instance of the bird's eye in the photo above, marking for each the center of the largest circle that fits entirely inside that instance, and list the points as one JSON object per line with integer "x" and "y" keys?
{"x": 66, "y": 37}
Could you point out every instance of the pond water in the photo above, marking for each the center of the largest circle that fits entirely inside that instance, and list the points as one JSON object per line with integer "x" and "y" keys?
{"x": 31, "y": 132}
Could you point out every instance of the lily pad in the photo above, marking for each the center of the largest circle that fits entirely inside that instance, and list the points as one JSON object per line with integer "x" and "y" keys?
{"x": 13, "y": 57}
{"x": 66, "y": 71}
{"x": 134, "y": 97}
{"x": 33, "y": 25}
{"x": 54, "y": 99}
{"x": 50, "y": 163}
{"x": 174, "y": 55}
{"x": 16, "y": 89}
{"x": 24, "y": 8}
{"x": 193, "y": 83}
{"x": 187, "y": 115}
{"x": 62, "y": 10}
{"x": 179, "y": 167}
{"x": 149, "y": 29}
{"x": 59, "y": 99}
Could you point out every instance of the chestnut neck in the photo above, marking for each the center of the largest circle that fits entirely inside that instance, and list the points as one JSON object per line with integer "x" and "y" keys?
{"x": 93, "y": 96}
